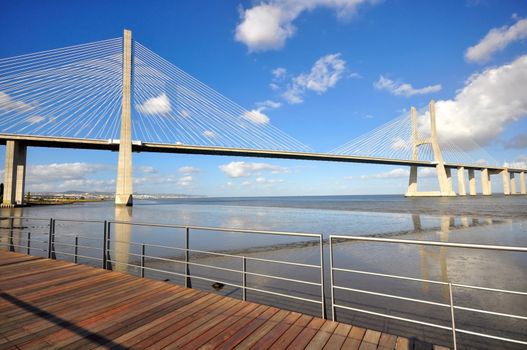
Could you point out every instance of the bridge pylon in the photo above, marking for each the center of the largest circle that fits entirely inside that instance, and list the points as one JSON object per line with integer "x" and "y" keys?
{"x": 444, "y": 175}
{"x": 123, "y": 192}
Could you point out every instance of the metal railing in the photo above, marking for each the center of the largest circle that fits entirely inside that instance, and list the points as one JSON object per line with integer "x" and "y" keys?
{"x": 451, "y": 305}
{"x": 102, "y": 247}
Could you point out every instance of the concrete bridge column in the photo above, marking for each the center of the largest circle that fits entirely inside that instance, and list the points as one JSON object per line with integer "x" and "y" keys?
{"x": 485, "y": 182}
{"x": 522, "y": 183}
{"x": 461, "y": 181}
{"x": 506, "y": 183}
{"x": 513, "y": 183}
{"x": 123, "y": 191}
{"x": 472, "y": 182}
{"x": 412, "y": 182}
{"x": 14, "y": 173}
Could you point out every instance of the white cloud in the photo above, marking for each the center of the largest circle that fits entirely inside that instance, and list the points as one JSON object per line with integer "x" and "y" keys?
{"x": 265, "y": 181}
{"x": 399, "y": 144}
{"x": 185, "y": 180}
{"x": 209, "y": 133}
{"x": 64, "y": 171}
{"x": 496, "y": 40}
{"x": 9, "y": 104}
{"x": 147, "y": 169}
{"x": 279, "y": 73}
{"x": 269, "y": 24}
{"x": 155, "y": 105}
{"x": 243, "y": 169}
{"x": 392, "y": 174}
{"x": 68, "y": 176}
{"x": 268, "y": 104}
{"x": 489, "y": 101}
{"x": 519, "y": 163}
{"x": 403, "y": 89}
{"x": 324, "y": 74}
{"x": 256, "y": 116}
{"x": 188, "y": 170}
{"x": 274, "y": 86}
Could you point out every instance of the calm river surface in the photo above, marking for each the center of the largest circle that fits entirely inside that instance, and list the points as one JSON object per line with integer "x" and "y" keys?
{"x": 495, "y": 220}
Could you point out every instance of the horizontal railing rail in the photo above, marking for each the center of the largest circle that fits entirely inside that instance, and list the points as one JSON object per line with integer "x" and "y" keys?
{"x": 451, "y": 305}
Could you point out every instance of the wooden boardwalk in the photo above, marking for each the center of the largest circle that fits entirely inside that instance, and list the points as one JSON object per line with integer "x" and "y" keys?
{"x": 56, "y": 304}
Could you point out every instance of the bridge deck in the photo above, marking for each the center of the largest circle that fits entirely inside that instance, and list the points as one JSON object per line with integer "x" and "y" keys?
{"x": 56, "y": 304}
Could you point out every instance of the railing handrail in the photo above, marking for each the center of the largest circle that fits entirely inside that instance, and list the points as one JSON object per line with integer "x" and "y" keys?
{"x": 432, "y": 243}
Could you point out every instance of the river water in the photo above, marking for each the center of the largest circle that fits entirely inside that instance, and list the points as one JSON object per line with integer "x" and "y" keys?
{"x": 496, "y": 220}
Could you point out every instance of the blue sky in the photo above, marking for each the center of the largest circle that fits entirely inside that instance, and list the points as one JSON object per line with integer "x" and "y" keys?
{"x": 354, "y": 65}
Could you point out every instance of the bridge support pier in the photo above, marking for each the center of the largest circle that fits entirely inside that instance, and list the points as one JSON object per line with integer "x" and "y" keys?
{"x": 123, "y": 191}
{"x": 472, "y": 182}
{"x": 461, "y": 181}
{"x": 412, "y": 182}
{"x": 14, "y": 173}
{"x": 485, "y": 182}
{"x": 506, "y": 182}
{"x": 522, "y": 183}
{"x": 513, "y": 183}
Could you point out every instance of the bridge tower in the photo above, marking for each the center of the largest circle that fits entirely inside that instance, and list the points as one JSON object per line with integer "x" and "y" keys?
{"x": 123, "y": 191}
{"x": 444, "y": 176}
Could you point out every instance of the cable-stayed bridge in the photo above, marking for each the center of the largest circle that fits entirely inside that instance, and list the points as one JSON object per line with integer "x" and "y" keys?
{"x": 118, "y": 95}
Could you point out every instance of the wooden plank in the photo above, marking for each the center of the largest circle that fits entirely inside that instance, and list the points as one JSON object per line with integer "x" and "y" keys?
{"x": 258, "y": 333}
{"x": 90, "y": 328}
{"x": 354, "y": 339}
{"x": 322, "y": 336}
{"x": 149, "y": 330}
{"x": 60, "y": 305}
{"x": 241, "y": 329}
{"x": 49, "y": 322}
{"x": 89, "y": 305}
{"x": 268, "y": 339}
{"x": 224, "y": 326}
{"x": 387, "y": 341}
{"x": 307, "y": 334}
{"x": 140, "y": 317}
{"x": 292, "y": 332}
{"x": 200, "y": 322}
{"x": 439, "y": 347}
{"x": 339, "y": 337}
{"x": 367, "y": 346}
{"x": 402, "y": 343}
{"x": 372, "y": 337}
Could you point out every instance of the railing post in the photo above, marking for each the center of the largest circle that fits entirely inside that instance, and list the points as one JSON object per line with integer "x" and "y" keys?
{"x": 53, "y": 255}
{"x": 11, "y": 234}
{"x": 104, "y": 245}
{"x": 333, "y": 317}
{"x": 188, "y": 282}
{"x": 322, "y": 289}
{"x": 244, "y": 278}
{"x": 28, "y": 243}
{"x": 49, "y": 237}
{"x": 452, "y": 315}
{"x": 143, "y": 260}
{"x": 75, "y": 255}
